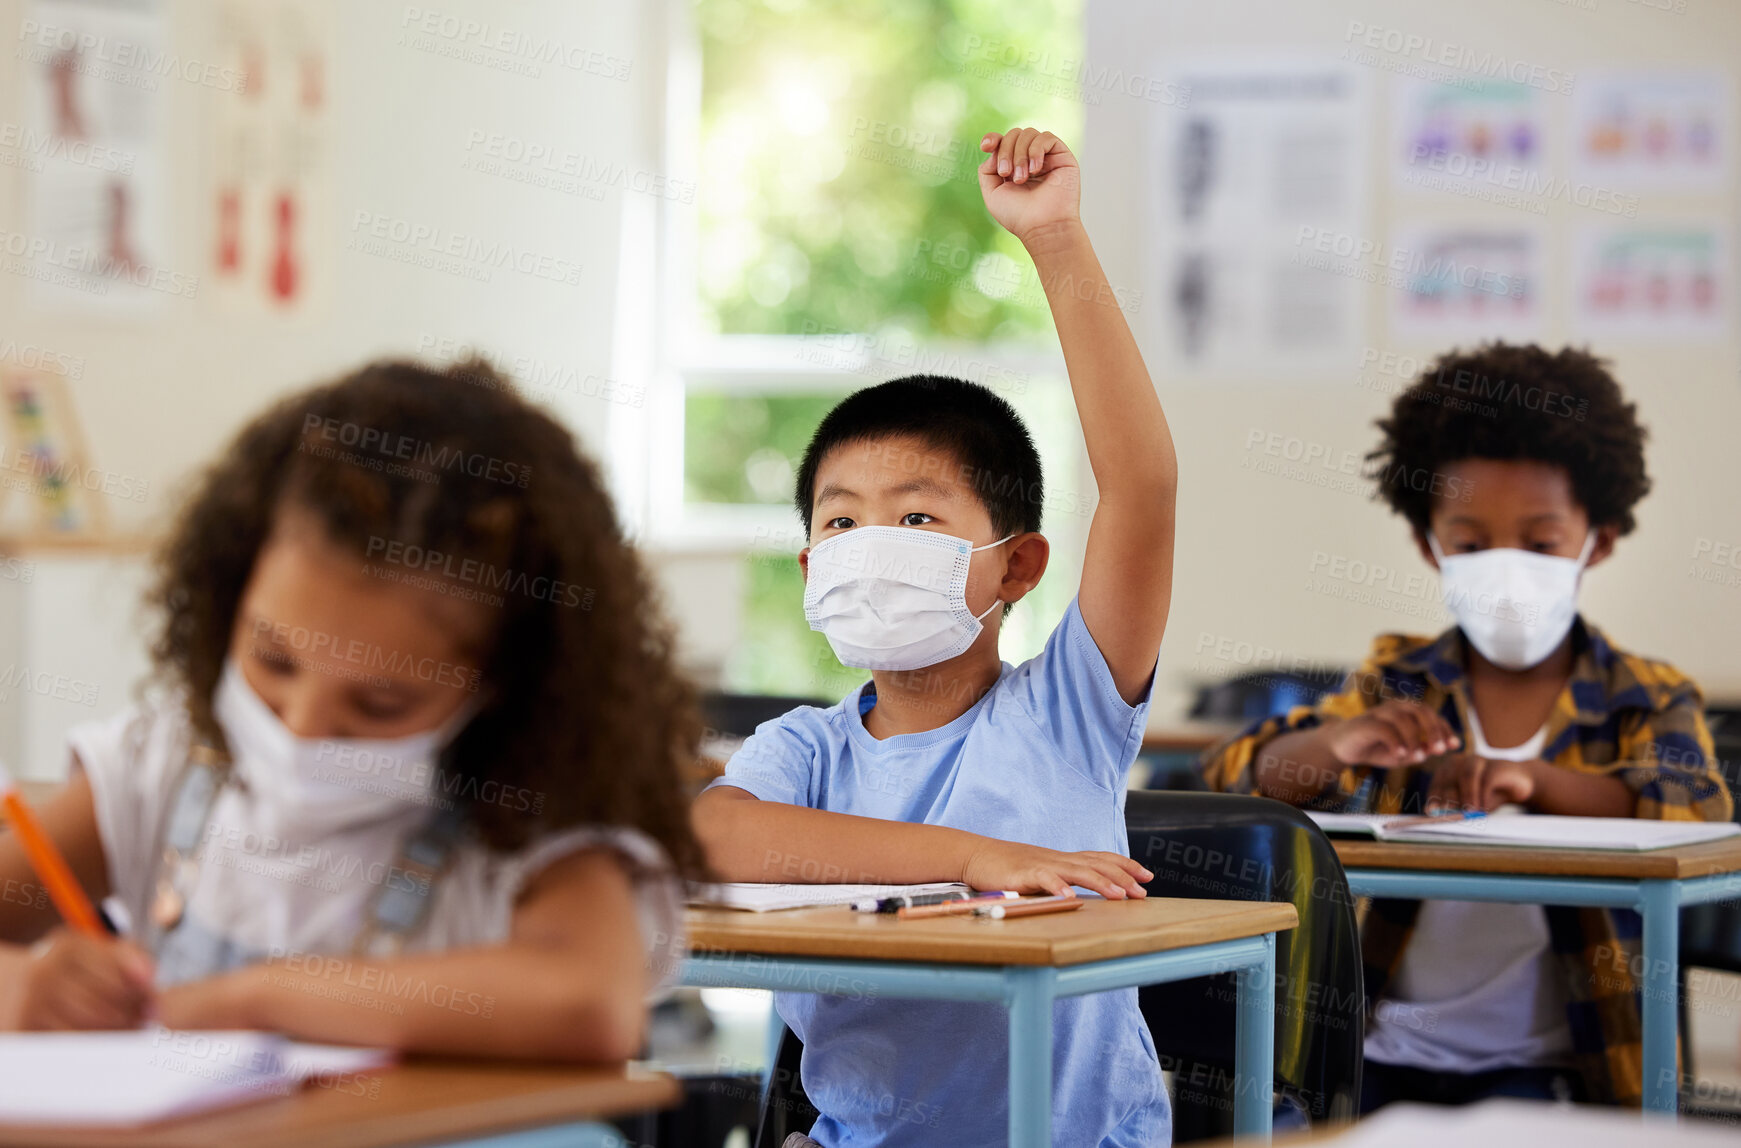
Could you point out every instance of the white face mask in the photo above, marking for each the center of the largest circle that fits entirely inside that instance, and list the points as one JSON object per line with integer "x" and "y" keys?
{"x": 1515, "y": 606}
{"x": 318, "y": 785}
{"x": 893, "y": 597}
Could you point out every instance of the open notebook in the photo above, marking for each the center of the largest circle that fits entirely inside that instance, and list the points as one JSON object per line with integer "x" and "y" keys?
{"x": 765, "y": 898}
{"x": 1546, "y": 831}
{"x": 126, "y": 1079}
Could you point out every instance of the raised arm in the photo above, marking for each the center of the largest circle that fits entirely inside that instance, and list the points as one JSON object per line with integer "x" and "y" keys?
{"x": 1032, "y": 186}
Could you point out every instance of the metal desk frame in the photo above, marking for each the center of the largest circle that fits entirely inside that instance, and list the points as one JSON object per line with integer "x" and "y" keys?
{"x": 1658, "y": 901}
{"x": 1027, "y": 992}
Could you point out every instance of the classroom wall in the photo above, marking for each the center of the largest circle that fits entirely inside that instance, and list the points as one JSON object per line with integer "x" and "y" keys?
{"x": 1247, "y": 540}
{"x": 161, "y": 392}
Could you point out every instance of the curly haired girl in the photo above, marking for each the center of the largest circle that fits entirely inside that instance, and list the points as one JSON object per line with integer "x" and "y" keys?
{"x": 409, "y": 771}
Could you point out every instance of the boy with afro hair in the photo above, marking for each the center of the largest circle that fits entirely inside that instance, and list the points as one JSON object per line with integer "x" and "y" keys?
{"x": 1517, "y": 470}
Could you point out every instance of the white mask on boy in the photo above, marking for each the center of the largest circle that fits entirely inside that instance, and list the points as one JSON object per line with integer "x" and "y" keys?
{"x": 1515, "y": 606}
{"x": 312, "y": 786}
{"x": 893, "y": 597}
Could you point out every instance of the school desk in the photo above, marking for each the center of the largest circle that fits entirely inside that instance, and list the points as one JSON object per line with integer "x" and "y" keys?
{"x": 422, "y": 1101}
{"x": 1023, "y": 963}
{"x": 1190, "y": 737}
{"x": 1655, "y": 884}
{"x": 1171, "y": 752}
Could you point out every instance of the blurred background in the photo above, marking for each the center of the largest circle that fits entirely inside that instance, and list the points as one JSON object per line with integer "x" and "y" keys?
{"x": 688, "y": 226}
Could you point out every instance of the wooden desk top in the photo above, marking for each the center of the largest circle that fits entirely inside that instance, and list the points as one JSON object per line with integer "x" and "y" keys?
{"x": 418, "y": 1102}
{"x": 1187, "y": 736}
{"x": 1098, "y": 931}
{"x": 1679, "y": 861}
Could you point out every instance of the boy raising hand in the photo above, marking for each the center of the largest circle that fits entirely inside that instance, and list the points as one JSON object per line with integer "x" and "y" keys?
{"x": 922, "y": 498}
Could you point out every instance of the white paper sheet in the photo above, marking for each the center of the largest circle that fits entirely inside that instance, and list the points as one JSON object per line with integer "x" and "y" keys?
{"x": 1524, "y": 1124}
{"x": 1620, "y": 833}
{"x": 1629, "y": 834}
{"x": 124, "y": 1079}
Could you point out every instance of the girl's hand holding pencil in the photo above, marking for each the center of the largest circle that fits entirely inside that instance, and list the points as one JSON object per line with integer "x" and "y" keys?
{"x": 76, "y": 977}
{"x": 69, "y": 980}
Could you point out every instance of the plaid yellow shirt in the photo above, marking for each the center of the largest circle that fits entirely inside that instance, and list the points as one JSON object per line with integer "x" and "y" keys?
{"x": 1619, "y": 715}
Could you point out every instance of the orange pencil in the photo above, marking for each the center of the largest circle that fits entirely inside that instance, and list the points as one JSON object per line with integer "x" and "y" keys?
{"x": 57, "y": 877}
{"x": 1030, "y": 907}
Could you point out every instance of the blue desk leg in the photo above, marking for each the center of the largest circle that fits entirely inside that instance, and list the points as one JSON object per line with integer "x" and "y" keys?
{"x": 1254, "y": 1047}
{"x": 1659, "y": 903}
{"x": 1030, "y": 1006}
{"x": 776, "y": 1035}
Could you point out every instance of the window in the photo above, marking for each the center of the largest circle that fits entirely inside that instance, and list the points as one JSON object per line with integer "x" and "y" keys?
{"x": 838, "y": 239}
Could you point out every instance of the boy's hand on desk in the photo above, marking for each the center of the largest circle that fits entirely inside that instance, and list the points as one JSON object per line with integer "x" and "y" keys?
{"x": 1029, "y": 180}
{"x": 1467, "y": 782}
{"x": 1031, "y": 869}
{"x": 1390, "y": 734}
{"x": 70, "y": 981}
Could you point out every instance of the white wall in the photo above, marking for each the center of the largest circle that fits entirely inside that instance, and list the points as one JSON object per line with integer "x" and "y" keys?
{"x": 159, "y": 394}
{"x": 1247, "y": 539}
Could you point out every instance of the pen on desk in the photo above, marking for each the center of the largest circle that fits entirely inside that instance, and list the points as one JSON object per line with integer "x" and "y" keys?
{"x": 913, "y": 900}
{"x": 1029, "y": 907}
{"x": 56, "y": 875}
{"x": 956, "y": 906}
{"x": 1360, "y": 801}
{"x": 1431, "y": 818}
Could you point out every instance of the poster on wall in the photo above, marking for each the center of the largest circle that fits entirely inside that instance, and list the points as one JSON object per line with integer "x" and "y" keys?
{"x": 268, "y": 199}
{"x": 1261, "y": 162}
{"x": 47, "y": 484}
{"x": 1655, "y": 130}
{"x": 1647, "y": 282}
{"x": 1466, "y": 281}
{"x": 1482, "y": 139}
{"x": 96, "y": 196}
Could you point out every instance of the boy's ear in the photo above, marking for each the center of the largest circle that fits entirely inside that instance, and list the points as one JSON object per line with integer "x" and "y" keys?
{"x": 1029, "y": 554}
{"x": 1606, "y": 537}
{"x": 804, "y": 563}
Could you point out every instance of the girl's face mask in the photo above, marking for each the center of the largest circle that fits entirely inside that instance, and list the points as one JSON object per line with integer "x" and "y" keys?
{"x": 319, "y": 785}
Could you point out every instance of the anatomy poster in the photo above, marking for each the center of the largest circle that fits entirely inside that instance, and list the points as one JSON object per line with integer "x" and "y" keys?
{"x": 267, "y": 199}
{"x": 1654, "y": 130}
{"x": 95, "y": 195}
{"x": 1260, "y": 162}
{"x": 1650, "y": 282}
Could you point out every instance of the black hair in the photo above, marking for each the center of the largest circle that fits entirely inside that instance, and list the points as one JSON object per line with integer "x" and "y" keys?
{"x": 1505, "y": 401}
{"x": 985, "y": 436}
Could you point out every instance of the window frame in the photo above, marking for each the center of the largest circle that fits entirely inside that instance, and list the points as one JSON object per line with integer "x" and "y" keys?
{"x": 660, "y": 338}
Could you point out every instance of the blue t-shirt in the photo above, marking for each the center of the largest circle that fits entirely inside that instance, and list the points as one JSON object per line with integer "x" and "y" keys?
{"x": 1041, "y": 759}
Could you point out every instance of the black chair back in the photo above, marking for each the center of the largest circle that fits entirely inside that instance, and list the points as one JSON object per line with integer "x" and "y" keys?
{"x": 1227, "y": 846}
{"x": 1250, "y": 697}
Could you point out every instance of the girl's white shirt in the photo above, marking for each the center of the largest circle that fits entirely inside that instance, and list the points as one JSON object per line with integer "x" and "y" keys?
{"x": 270, "y": 894}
